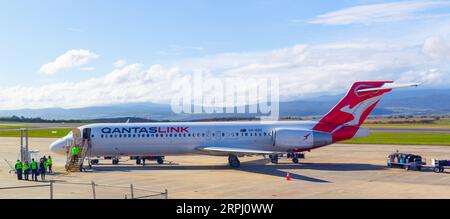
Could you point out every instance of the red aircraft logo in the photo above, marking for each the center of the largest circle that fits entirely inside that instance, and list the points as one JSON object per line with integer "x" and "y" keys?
{"x": 306, "y": 137}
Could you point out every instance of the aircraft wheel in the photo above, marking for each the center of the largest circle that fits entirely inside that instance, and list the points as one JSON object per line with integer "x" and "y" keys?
{"x": 294, "y": 160}
{"x": 233, "y": 160}
{"x": 138, "y": 161}
{"x": 160, "y": 160}
{"x": 115, "y": 161}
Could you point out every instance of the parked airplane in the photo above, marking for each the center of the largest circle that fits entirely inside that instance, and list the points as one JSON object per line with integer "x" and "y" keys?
{"x": 235, "y": 139}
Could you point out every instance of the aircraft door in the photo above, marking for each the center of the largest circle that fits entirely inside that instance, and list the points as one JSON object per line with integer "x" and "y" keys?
{"x": 86, "y": 133}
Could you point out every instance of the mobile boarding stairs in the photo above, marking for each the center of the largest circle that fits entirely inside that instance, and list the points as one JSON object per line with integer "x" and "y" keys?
{"x": 83, "y": 141}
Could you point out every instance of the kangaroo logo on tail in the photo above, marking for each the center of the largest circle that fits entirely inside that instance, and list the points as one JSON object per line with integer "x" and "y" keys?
{"x": 344, "y": 119}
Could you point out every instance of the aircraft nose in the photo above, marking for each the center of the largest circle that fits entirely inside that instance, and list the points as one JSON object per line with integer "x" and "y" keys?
{"x": 58, "y": 146}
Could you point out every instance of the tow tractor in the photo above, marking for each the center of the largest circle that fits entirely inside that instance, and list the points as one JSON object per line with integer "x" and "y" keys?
{"x": 405, "y": 161}
{"x": 295, "y": 157}
{"x": 139, "y": 159}
{"x": 142, "y": 159}
{"x": 439, "y": 165}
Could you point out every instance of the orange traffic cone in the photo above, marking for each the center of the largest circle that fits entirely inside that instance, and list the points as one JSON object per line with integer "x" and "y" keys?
{"x": 288, "y": 176}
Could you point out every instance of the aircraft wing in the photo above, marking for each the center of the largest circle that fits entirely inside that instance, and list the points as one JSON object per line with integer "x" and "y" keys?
{"x": 236, "y": 150}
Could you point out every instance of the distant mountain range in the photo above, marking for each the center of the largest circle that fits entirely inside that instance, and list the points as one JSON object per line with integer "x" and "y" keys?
{"x": 401, "y": 102}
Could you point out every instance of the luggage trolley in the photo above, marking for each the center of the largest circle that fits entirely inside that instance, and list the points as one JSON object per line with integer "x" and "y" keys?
{"x": 405, "y": 161}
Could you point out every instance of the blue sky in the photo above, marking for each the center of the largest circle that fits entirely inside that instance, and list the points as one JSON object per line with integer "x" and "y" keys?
{"x": 175, "y": 34}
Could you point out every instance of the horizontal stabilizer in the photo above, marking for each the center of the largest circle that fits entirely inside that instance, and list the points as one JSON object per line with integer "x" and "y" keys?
{"x": 387, "y": 86}
{"x": 234, "y": 150}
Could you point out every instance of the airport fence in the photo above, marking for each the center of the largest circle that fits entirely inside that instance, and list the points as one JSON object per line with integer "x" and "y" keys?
{"x": 68, "y": 190}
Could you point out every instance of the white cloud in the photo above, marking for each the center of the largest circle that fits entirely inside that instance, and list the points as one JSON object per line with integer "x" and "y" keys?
{"x": 382, "y": 12}
{"x": 68, "y": 60}
{"x": 301, "y": 69}
{"x": 119, "y": 63}
{"x": 87, "y": 69}
{"x": 437, "y": 48}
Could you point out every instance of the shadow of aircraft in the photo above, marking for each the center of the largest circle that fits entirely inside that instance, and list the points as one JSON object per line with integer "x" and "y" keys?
{"x": 255, "y": 166}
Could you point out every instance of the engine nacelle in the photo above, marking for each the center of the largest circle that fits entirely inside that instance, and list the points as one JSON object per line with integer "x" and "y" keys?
{"x": 291, "y": 138}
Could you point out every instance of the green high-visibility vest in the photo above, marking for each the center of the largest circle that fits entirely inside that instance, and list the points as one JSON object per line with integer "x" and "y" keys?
{"x": 25, "y": 166}
{"x": 75, "y": 150}
{"x": 45, "y": 164}
{"x": 19, "y": 165}
{"x": 49, "y": 161}
{"x": 34, "y": 165}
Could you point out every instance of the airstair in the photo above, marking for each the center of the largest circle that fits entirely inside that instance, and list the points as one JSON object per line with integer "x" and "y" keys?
{"x": 83, "y": 142}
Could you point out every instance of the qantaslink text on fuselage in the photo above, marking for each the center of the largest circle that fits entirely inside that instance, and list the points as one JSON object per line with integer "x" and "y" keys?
{"x": 144, "y": 130}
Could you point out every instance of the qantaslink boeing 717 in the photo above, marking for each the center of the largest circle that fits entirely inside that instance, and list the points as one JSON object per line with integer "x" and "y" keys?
{"x": 234, "y": 139}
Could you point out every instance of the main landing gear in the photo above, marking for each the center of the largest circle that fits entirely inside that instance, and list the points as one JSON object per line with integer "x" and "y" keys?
{"x": 233, "y": 160}
{"x": 273, "y": 159}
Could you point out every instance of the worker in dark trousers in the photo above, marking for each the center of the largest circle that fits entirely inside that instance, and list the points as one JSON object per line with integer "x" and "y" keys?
{"x": 19, "y": 169}
{"x": 42, "y": 169}
{"x": 26, "y": 170}
{"x": 75, "y": 152}
{"x": 50, "y": 163}
{"x": 34, "y": 170}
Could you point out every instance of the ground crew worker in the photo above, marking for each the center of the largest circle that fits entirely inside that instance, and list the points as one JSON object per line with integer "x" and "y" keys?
{"x": 50, "y": 163}
{"x": 26, "y": 169}
{"x": 75, "y": 152}
{"x": 19, "y": 169}
{"x": 42, "y": 169}
{"x": 45, "y": 165}
{"x": 34, "y": 170}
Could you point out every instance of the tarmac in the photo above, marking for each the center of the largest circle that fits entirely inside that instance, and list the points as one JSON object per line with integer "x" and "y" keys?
{"x": 335, "y": 171}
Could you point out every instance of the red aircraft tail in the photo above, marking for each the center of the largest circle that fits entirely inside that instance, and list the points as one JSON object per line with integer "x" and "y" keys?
{"x": 344, "y": 119}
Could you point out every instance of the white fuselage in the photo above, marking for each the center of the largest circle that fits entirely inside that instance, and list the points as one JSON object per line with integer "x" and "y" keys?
{"x": 158, "y": 139}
